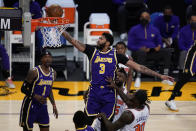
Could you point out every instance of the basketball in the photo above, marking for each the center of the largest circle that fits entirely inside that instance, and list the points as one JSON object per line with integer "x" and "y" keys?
{"x": 54, "y": 11}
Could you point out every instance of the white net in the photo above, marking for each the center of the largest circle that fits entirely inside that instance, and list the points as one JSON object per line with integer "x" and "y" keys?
{"x": 51, "y": 29}
{"x": 52, "y": 35}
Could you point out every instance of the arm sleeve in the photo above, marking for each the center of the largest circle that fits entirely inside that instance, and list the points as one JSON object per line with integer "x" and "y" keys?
{"x": 121, "y": 59}
{"x": 27, "y": 88}
{"x": 89, "y": 50}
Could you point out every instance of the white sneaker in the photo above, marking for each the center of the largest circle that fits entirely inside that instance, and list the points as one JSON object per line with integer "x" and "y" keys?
{"x": 168, "y": 82}
{"x": 171, "y": 105}
{"x": 9, "y": 83}
{"x": 137, "y": 82}
{"x": 123, "y": 36}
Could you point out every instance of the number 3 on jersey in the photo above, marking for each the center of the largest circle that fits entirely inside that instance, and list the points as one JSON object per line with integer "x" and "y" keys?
{"x": 102, "y": 70}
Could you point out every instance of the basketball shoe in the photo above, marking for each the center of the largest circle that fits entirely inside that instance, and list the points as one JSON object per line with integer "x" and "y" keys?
{"x": 9, "y": 83}
{"x": 171, "y": 105}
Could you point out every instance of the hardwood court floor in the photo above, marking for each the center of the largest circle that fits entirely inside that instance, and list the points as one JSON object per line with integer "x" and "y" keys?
{"x": 70, "y": 100}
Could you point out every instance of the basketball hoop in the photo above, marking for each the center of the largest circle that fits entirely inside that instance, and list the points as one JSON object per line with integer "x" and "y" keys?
{"x": 51, "y": 29}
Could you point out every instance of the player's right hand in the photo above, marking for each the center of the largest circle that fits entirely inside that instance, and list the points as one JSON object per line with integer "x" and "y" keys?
{"x": 85, "y": 96}
{"x": 40, "y": 99}
{"x": 165, "y": 77}
{"x": 101, "y": 115}
{"x": 55, "y": 111}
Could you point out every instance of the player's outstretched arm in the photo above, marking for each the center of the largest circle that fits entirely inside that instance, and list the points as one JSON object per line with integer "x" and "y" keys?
{"x": 145, "y": 70}
{"x": 80, "y": 46}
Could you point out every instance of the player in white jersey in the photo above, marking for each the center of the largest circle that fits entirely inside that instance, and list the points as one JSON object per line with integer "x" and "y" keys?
{"x": 121, "y": 48}
{"x": 120, "y": 81}
{"x": 135, "y": 116}
{"x": 139, "y": 120}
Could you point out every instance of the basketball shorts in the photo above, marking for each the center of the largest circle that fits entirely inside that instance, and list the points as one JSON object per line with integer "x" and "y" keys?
{"x": 101, "y": 100}
{"x": 33, "y": 112}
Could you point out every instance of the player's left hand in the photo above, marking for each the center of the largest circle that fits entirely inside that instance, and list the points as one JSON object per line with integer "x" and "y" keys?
{"x": 55, "y": 111}
{"x": 165, "y": 77}
{"x": 112, "y": 84}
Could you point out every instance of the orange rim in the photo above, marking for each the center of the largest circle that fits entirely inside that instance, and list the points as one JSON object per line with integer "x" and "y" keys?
{"x": 45, "y": 22}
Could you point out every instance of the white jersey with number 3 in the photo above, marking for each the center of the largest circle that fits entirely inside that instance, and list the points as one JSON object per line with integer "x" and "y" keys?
{"x": 140, "y": 118}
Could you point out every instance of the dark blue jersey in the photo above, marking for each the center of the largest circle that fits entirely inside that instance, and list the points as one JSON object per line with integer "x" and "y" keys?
{"x": 33, "y": 111}
{"x": 43, "y": 84}
{"x": 103, "y": 65}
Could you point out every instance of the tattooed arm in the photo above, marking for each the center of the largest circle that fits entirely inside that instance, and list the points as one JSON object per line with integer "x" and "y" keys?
{"x": 145, "y": 70}
{"x": 79, "y": 45}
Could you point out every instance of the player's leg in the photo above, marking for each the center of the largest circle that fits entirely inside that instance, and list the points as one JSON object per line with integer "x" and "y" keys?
{"x": 43, "y": 118}
{"x": 109, "y": 110}
{"x": 188, "y": 72}
{"x": 92, "y": 107}
{"x": 5, "y": 58}
{"x": 89, "y": 119}
{"x": 25, "y": 129}
{"x": 6, "y": 67}
{"x": 184, "y": 77}
{"x": 44, "y": 128}
{"x": 109, "y": 99}
{"x": 27, "y": 116}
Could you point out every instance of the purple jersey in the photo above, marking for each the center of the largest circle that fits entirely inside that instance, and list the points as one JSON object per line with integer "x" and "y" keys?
{"x": 32, "y": 111}
{"x": 43, "y": 84}
{"x": 86, "y": 128}
{"x": 103, "y": 65}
